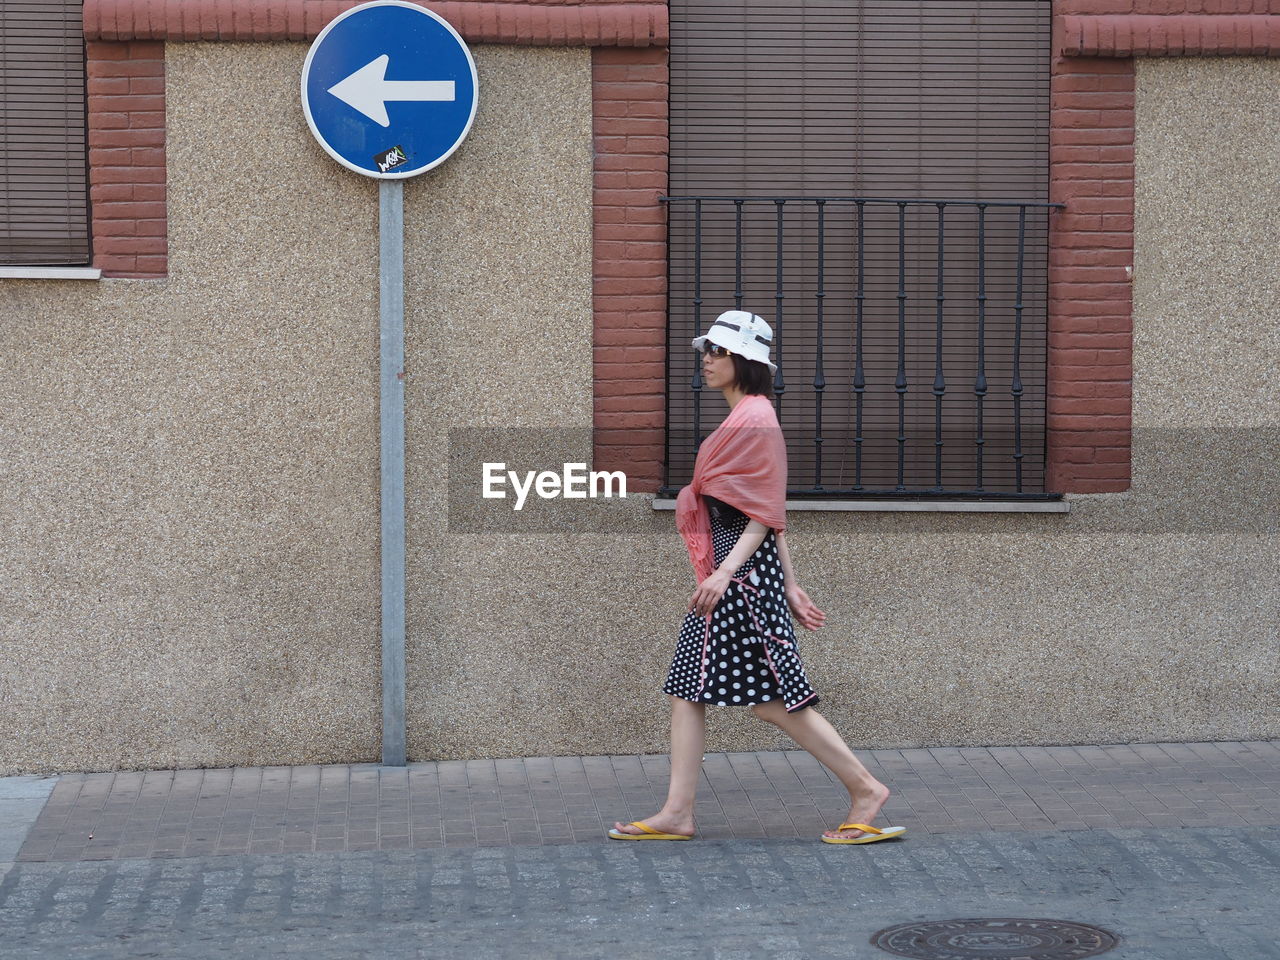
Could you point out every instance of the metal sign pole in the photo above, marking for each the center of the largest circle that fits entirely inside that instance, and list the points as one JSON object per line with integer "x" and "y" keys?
{"x": 391, "y": 325}
{"x": 433, "y": 96}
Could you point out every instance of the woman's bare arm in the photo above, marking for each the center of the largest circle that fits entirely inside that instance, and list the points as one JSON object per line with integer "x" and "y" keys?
{"x": 710, "y": 590}
{"x": 788, "y": 573}
{"x": 752, "y": 536}
{"x": 802, "y": 608}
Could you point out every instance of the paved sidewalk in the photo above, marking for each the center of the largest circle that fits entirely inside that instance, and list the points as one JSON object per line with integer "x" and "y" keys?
{"x": 1173, "y": 848}
{"x": 545, "y": 800}
{"x": 21, "y": 800}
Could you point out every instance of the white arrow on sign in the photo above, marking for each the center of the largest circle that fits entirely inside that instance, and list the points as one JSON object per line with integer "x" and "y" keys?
{"x": 369, "y": 91}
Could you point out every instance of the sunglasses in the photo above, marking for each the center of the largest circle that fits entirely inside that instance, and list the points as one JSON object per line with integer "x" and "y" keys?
{"x": 714, "y": 350}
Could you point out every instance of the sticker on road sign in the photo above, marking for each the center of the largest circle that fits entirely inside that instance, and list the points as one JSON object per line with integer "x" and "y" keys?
{"x": 391, "y": 158}
{"x": 389, "y": 72}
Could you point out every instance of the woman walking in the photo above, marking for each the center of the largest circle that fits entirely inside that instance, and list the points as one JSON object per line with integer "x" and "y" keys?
{"x": 737, "y": 646}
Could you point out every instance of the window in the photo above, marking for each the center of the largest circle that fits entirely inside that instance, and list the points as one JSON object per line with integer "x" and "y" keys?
{"x": 43, "y": 169}
{"x": 833, "y": 109}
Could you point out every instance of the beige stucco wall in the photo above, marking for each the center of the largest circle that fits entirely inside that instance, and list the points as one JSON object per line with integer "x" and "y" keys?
{"x": 190, "y": 553}
{"x": 1146, "y": 615}
{"x": 190, "y": 487}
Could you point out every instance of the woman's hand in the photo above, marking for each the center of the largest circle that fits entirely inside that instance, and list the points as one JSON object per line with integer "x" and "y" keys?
{"x": 709, "y": 592}
{"x": 803, "y": 609}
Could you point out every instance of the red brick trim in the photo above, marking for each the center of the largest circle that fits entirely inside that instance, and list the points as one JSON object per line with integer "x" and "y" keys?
{"x": 619, "y": 23}
{"x": 1188, "y": 35}
{"x": 1090, "y": 349}
{"x": 1164, "y": 8}
{"x": 125, "y": 87}
{"x": 629, "y": 91}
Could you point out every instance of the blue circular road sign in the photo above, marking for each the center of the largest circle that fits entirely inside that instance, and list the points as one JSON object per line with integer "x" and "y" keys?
{"x": 389, "y": 89}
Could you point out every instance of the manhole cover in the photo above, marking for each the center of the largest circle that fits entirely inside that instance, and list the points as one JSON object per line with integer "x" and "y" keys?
{"x": 1003, "y": 938}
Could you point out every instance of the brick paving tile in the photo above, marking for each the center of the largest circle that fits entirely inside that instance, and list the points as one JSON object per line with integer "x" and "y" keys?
{"x": 1264, "y": 751}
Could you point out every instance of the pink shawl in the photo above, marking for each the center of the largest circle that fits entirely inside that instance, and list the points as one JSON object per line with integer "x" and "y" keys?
{"x": 744, "y": 463}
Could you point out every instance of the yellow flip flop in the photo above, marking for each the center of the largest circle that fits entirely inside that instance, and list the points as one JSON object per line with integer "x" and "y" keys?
{"x": 649, "y": 833}
{"x": 870, "y": 834}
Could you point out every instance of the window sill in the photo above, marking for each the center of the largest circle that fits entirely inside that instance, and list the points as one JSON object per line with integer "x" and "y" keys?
{"x": 50, "y": 273}
{"x": 913, "y": 506}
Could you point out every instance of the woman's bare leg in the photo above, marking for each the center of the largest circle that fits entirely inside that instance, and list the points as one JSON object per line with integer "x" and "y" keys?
{"x": 815, "y": 734}
{"x": 688, "y": 738}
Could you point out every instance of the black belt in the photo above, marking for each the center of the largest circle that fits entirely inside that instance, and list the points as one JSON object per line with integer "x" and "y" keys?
{"x": 724, "y": 512}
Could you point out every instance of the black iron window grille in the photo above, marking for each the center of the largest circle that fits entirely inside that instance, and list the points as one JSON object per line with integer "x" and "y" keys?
{"x": 910, "y": 338}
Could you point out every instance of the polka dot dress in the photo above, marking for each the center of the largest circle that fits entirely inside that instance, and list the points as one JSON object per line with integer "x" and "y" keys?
{"x": 748, "y": 654}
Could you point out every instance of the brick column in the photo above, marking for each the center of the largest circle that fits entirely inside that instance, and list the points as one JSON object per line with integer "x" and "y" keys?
{"x": 1090, "y": 361}
{"x": 126, "y": 158}
{"x": 630, "y": 287}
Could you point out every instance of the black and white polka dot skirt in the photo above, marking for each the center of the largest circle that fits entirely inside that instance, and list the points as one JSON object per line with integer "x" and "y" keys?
{"x": 747, "y": 652}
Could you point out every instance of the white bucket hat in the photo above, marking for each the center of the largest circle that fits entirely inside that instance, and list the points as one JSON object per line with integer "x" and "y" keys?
{"x": 742, "y": 333}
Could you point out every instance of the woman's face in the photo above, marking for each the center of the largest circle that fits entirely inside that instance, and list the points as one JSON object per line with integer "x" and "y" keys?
{"x": 717, "y": 372}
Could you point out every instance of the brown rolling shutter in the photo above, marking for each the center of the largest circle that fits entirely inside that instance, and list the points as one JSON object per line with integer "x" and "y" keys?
{"x": 881, "y": 99}
{"x": 43, "y": 189}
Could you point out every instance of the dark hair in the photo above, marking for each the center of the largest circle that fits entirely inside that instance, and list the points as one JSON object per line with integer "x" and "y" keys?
{"x": 752, "y": 376}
